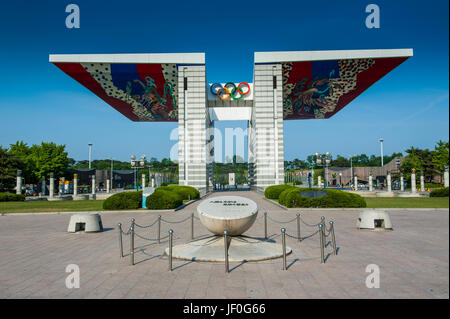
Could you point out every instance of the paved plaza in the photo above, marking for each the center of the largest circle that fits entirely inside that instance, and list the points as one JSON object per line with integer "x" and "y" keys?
{"x": 413, "y": 259}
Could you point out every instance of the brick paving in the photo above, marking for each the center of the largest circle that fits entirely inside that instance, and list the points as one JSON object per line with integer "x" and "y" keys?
{"x": 413, "y": 259}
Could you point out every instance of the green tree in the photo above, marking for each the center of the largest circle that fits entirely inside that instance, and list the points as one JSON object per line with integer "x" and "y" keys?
{"x": 21, "y": 151}
{"x": 9, "y": 165}
{"x": 440, "y": 156}
{"x": 48, "y": 158}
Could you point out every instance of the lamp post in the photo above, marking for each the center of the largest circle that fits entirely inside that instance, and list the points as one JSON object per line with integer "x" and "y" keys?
{"x": 351, "y": 169}
{"x": 381, "y": 146}
{"x": 340, "y": 179}
{"x": 324, "y": 160}
{"x": 136, "y": 164}
{"x": 90, "y": 154}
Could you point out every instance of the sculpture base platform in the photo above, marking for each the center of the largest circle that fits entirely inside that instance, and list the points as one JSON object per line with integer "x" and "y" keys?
{"x": 241, "y": 248}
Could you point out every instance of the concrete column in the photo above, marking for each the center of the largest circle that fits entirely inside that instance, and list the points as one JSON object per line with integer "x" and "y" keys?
{"x": 446, "y": 181}
{"x": 389, "y": 182}
{"x": 422, "y": 182}
{"x": 51, "y": 186}
{"x": 356, "y": 183}
{"x": 402, "y": 183}
{"x": 413, "y": 181}
{"x": 370, "y": 183}
{"x": 75, "y": 184}
{"x": 108, "y": 186}
{"x": 19, "y": 182}
{"x": 143, "y": 180}
{"x": 93, "y": 185}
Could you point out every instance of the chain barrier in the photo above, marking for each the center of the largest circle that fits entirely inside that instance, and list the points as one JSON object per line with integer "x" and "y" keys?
{"x": 147, "y": 226}
{"x": 281, "y": 222}
{"x": 150, "y": 239}
{"x": 175, "y": 222}
{"x": 303, "y": 237}
{"x": 310, "y": 225}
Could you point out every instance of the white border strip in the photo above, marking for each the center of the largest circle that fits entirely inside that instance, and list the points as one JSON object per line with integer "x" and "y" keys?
{"x": 294, "y": 56}
{"x": 178, "y": 58}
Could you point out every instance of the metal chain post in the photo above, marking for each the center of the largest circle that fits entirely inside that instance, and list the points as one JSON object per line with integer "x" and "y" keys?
{"x": 283, "y": 241}
{"x": 131, "y": 245}
{"x": 333, "y": 238}
{"x": 119, "y": 225}
{"x": 159, "y": 229}
{"x": 225, "y": 237}
{"x": 322, "y": 255}
{"x": 170, "y": 248}
{"x": 298, "y": 227}
{"x": 192, "y": 226}
{"x": 322, "y": 220}
{"x": 265, "y": 225}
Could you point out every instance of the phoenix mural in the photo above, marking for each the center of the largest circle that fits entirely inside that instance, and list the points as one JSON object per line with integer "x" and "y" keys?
{"x": 141, "y": 92}
{"x": 319, "y": 89}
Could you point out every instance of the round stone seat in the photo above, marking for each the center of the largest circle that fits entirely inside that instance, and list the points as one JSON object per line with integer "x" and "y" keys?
{"x": 87, "y": 222}
{"x": 235, "y": 214}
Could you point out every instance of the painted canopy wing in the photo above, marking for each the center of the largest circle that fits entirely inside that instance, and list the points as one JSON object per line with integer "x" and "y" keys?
{"x": 141, "y": 92}
{"x": 319, "y": 89}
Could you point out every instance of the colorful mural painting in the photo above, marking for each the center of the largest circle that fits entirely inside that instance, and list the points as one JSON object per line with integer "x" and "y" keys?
{"x": 141, "y": 92}
{"x": 319, "y": 89}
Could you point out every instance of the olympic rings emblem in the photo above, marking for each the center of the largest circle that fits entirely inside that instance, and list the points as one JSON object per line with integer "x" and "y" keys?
{"x": 229, "y": 89}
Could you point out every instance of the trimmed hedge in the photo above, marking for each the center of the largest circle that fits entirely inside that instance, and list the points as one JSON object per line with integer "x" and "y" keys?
{"x": 186, "y": 192}
{"x": 274, "y": 191}
{"x": 442, "y": 192}
{"x": 163, "y": 199}
{"x": 10, "y": 197}
{"x": 335, "y": 198}
{"x": 124, "y": 200}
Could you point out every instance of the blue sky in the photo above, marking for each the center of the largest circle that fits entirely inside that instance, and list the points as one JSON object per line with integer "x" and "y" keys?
{"x": 38, "y": 102}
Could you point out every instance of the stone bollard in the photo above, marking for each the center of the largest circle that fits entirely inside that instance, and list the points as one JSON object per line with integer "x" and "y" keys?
{"x": 153, "y": 182}
{"x": 143, "y": 180}
{"x": 356, "y": 183}
{"x": 413, "y": 181}
{"x": 319, "y": 181}
{"x": 51, "y": 187}
{"x": 389, "y": 182}
{"x": 422, "y": 182}
{"x": 19, "y": 182}
{"x": 75, "y": 184}
{"x": 402, "y": 183}
{"x": 108, "y": 186}
{"x": 446, "y": 178}
{"x": 370, "y": 183}
{"x": 93, "y": 185}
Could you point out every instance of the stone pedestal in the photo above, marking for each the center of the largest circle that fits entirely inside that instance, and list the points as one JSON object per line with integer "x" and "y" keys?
{"x": 143, "y": 180}
{"x": 51, "y": 187}
{"x": 93, "y": 185}
{"x": 446, "y": 178}
{"x": 108, "y": 186}
{"x": 389, "y": 182}
{"x": 402, "y": 183}
{"x": 319, "y": 181}
{"x": 75, "y": 185}
{"x": 413, "y": 183}
{"x": 19, "y": 182}
{"x": 370, "y": 183}
{"x": 422, "y": 183}
{"x": 355, "y": 183}
{"x": 153, "y": 182}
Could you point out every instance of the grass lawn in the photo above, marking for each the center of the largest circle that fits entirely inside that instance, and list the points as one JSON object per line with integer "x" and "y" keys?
{"x": 51, "y": 206}
{"x": 414, "y": 202}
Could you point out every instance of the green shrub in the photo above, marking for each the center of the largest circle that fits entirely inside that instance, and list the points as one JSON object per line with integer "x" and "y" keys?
{"x": 186, "y": 192}
{"x": 442, "y": 192}
{"x": 10, "y": 197}
{"x": 274, "y": 191}
{"x": 123, "y": 200}
{"x": 297, "y": 183}
{"x": 163, "y": 199}
{"x": 335, "y": 198}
